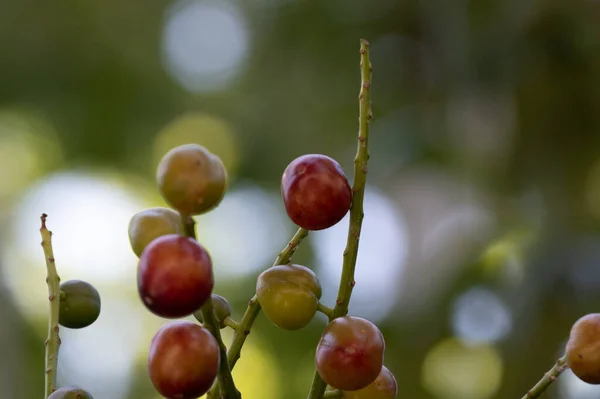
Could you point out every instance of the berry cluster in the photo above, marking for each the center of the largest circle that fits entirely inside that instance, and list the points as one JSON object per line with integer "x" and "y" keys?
{"x": 175, "y": 279}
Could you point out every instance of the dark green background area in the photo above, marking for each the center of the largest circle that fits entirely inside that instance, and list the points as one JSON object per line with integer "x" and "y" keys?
{"x": 95, "y": 69}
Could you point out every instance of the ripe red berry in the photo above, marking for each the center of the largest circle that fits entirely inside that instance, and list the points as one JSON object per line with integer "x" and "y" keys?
{"x": 175, "y": 276}
{"x": 349, "y": 355}
{"x": 583, "y": 348}
{"x": 316, "y": 193}
{"x": 183, "y": 360}
{"x": 384, "y": 387}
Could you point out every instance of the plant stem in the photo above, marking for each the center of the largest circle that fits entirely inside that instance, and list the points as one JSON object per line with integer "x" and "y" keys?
{"x": 53, "y": 280}
{"x": 251, "y": 313}
{"x": 229, "y": 322}
{"x": 336, "y": 394}
{"x": 327, "y": 311}
{"x": 356, "y": 210}
{"x": 210, "y": 323}
{"x": 549, "y": 378}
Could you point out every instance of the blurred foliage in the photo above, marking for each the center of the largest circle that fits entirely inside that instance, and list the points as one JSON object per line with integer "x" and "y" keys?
{"x": 486, "y": 101}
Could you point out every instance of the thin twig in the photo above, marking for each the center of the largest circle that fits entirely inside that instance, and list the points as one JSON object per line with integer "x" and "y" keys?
{"x": 549, "y": 378}
{"x": 356, "y": 211}
{"x": 53, "y": 280}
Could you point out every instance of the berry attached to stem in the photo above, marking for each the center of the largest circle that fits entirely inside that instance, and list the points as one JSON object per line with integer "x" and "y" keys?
{"x": 71, "y": 393}
{"x": 183, "y": 361}
{"x": 175, "y": 276}
{"x": 79, "y": 304}
{"x": 349, "y": 355}
{"x": 315, "y": 192}
{"x": 583, "y": 349}
{"x": 152, "y": 223}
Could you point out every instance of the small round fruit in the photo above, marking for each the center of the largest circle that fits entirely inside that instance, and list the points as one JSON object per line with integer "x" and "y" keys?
{"x": 221, "y": 309}
{"x": 191, "y": 179}
{"x": 384, "y": 387}
{"x": 289, "y": 295}
{"x": 316, "y": 193}
{"x": 70, "y": 393}
{"x": 175, "y": 276}
{"x": 79, "y": 304}
{"x": 583, "y": 349}
{"x": 152, "y": 223}
{"x": 183, "y": 360}
{"x": 349, "y": 355}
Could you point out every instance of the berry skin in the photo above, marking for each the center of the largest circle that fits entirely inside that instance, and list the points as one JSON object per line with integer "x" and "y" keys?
{"x": 70, "y": 393}
{"x": 79, "y": 304}
{"x": 316, "y": 193}
{"x": 289, "y": 295}
{"x": 583, "y": 349}
{"x": 152, "y": 223}
{"x": 175, "y": 276}
{"x": 384, "y": 387}
{"x": 349, "y": 355}
{"x": 221, "y": 309}
{"x": 183, "y": 360}
{"x": 191, "y": 179}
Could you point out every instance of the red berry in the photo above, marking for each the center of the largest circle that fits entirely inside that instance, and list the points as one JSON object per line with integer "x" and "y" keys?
{"x": 175, "y": 276}
{"x": 183, "y": 360}
{"x": 315, "y": 192}
{"x": 350, "y": 353}
{"x": 384, "y": 387}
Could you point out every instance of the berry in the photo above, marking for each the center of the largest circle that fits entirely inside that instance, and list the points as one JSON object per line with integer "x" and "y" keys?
{"x": 315, "y": 191}
{"x": 221, "y": 309}
{"x": 79, "y": 304}
{"x": 384, "y": 387}
{"x": 191, "y": 179}
{"x": 151, "y": 223}
{"x": 349, "y": 355}
{"x": 583, "y": 348}
{"x": 175, "y": 276}
{"x": 183, "y": 360}
{"x": 70, "y": 393}
{"x": 289, "y": 295}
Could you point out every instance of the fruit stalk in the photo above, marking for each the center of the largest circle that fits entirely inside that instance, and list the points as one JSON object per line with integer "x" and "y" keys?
{"x": 53, "y": 280}
{"x": 224, "y": 377}
{"x": 356, "y": 210}
{"x": 549, "y": 378}
{"x": 251, "y": 313}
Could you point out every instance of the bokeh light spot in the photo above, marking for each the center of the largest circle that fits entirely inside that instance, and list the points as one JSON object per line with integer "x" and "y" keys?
{"x": 211, "y": 132}
{"x": 381, "y": 258}
{"x": 571, "y": 387}
{"x": 204, "y": 43}
{"x": 244, "y": 232}
{"x": 479, "y": 316}
{"x": 453, "y": 370}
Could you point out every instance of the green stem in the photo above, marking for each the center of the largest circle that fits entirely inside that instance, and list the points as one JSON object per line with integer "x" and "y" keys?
{"x": 210, "y": 323}
{"x": 335, "y": 394}
{"x": 356, "y": 211}
{"x": 245, "y": 324}
{"x": 327, "y": 311}
{"x": 229, "y": 322}
{"x": 549, "y": 378}
{"x": 53, "y": 280}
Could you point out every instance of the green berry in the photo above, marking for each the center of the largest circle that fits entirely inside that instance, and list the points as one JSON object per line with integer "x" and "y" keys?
{"x": 152, "y": 223}
{"x": 79, "y": 304}
{"x": 221, "y": 309}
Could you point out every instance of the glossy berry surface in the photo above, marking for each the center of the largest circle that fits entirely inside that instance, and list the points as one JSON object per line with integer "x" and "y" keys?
{"x": 289, "y": 295}
{"x": 80, "y": 304}
{"x": 349, "y": 355}
{"x": 384, "y": 387}
{"x": 316, "y": 193}
{"x": 175, "y": 276}
{"x": 583, "y": 348}
{"x": 221, "y": 309}
{"x": 70, "y": 393}
{"x": 191, "y": 179}
{"x": 152, "y": 223}
{"x": 183, "y": 361}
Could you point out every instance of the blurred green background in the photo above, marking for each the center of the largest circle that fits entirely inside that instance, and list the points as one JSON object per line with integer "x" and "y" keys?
{"x": 481, "y": 243}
